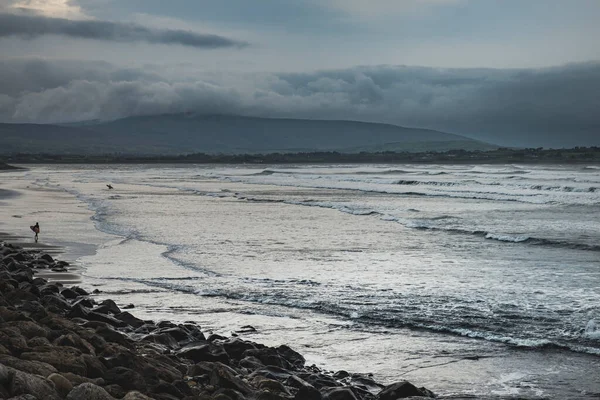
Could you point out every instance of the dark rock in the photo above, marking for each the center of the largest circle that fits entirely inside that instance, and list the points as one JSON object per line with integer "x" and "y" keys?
{"x": 340, "y": 394}
{"x": 55, "y": 304}
{"x": 34, "y": 310}
{"x": 126, "y": 378}
{"x": 129, "y": 319}
{"x": 167, "y": 388}
{"x": 269, "y": 356}
{"x": 78, "y": 311}
{"x": 49, "y": 289}
{"x": 23, "y": 383}
{"x": 28, "y": 329}
{"x": 84, "y": 301}
{"x": 77, "y": 289}
{"x": 78, "y": 380}
{"x": 306, "y": 391}
{"x": 18, "y": 296}
{"x": 201, "y": 368}
{"x": 212, "y": 337}
{"x": 38, "y": 341}
{"x": 13, "y": 340}
{"x": 64, "y": 359}
{"x": 224, "y": 377}
{"x": 73, "y": 340}
{"x": 204, "y": 351}
{"x": 246, "y": 329}
{"x": 251, "y": 363}
{"x": 89, "y": 391}
{"x": 401, "y": 390}
{"x": 341, "y": 375}
{"x": 31, "y": 367}
{"x": 19, "y": 257}
{"x": 293, "y": 357}
{"x": 136, "y": 396}
{"x": 271, "y": 385}
{"x": 47, "y": 257}
{"x": 61, "y": 384}
{"x": 166, "y": 324}
{"x": 163, "y": 339}
{"x": 115, "y": 391}
{"x": 23, "y": 276}
{"x": 236, "y": 347}
{"x": 267, "y": 395}
{"x": 39, "y": 282}
{"x": 272, "y": 372}
{"x": 109, "y": 334}
{"x": 108, "y": 306}
{"x": 69, "y": 293}
{"x": 95, "y": 368}
{"x": 321, "y": 381}
{"x": 178, "y": 333}
{"x": 10, "y": 314}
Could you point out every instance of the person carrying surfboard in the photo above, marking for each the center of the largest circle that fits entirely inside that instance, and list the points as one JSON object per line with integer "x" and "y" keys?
{"x": 36, "y": 229}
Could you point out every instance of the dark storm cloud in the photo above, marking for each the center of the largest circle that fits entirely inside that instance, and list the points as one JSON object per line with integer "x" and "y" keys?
{"x": 30, "y": 26}
{"x": 532, "y": 107}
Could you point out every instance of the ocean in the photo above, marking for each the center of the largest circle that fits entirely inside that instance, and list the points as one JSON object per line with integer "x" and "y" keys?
{"x": 475, "y": 281}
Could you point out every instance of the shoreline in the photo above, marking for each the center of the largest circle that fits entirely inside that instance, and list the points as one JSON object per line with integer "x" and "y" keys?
{"x": 59, "y": 342}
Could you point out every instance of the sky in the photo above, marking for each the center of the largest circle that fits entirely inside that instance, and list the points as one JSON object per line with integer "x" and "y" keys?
{"x": 512, "y": 72}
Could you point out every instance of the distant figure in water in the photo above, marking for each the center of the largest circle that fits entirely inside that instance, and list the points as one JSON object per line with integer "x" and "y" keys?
{"x": 36, "y": 229}
{"x": 109, "y": 186}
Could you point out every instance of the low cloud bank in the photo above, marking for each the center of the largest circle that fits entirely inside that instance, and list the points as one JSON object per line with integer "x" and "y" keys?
{"x": 32, "y": 26}
{"x": 527, "y": 107}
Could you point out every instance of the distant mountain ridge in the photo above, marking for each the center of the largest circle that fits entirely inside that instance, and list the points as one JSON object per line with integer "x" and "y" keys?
{"x": 193, "y": 133}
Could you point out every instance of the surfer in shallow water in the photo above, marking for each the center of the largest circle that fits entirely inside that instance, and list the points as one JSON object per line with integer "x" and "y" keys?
{"x": 36, "y": 229}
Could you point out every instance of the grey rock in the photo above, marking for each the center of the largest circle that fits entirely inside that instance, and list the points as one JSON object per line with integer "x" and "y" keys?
{"x": 61, "y": 384}
{"x": 401, "y": 390}
{"x": 89, "y": 391}
{"x": 23, "y": 383}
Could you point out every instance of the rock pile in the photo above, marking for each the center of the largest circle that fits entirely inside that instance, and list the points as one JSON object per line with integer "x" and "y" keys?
{"x": 59, "y": 342}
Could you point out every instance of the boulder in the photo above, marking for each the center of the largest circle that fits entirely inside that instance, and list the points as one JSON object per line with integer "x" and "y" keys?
{"x": 74, "y": 340}
{"x": 56, "y": 304}
{"x": 236, "y": 347}
{"x": 126, "y": 378}
{"x": 343, "y": 393}
{"x": 63, "y": 358}
{"x": 23, "y": 383}
{"x": 68, "y": 293}
{"x": 95, "y": 368}
{"x": 204, "y": 351}
{"x": 108, "y": 306}
{"x": 31, "y": 367}
{"x": 61, "y": 384}
{"x": 223, "y": 376}
{"x": 136, "y": 396}
{"x": 89, "y": 391}
{"x": 78, "y": 380}
{"x": 28, "y": 329}
{"x": 47, "y": 257}
{"x": 115, "y": 391}
{"x": 401, "y": 390}
{"x": 129, "y": 319}
{"x": 12, "y": 339}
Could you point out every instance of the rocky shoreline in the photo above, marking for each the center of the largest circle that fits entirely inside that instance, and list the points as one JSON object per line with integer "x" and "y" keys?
{"x": 59, "y": 342}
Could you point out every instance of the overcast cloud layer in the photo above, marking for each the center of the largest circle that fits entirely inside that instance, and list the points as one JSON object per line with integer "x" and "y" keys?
{"x": 523, "y": 106}
{"x": 32, "y": 26}
{"x": 73, "y": 60}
